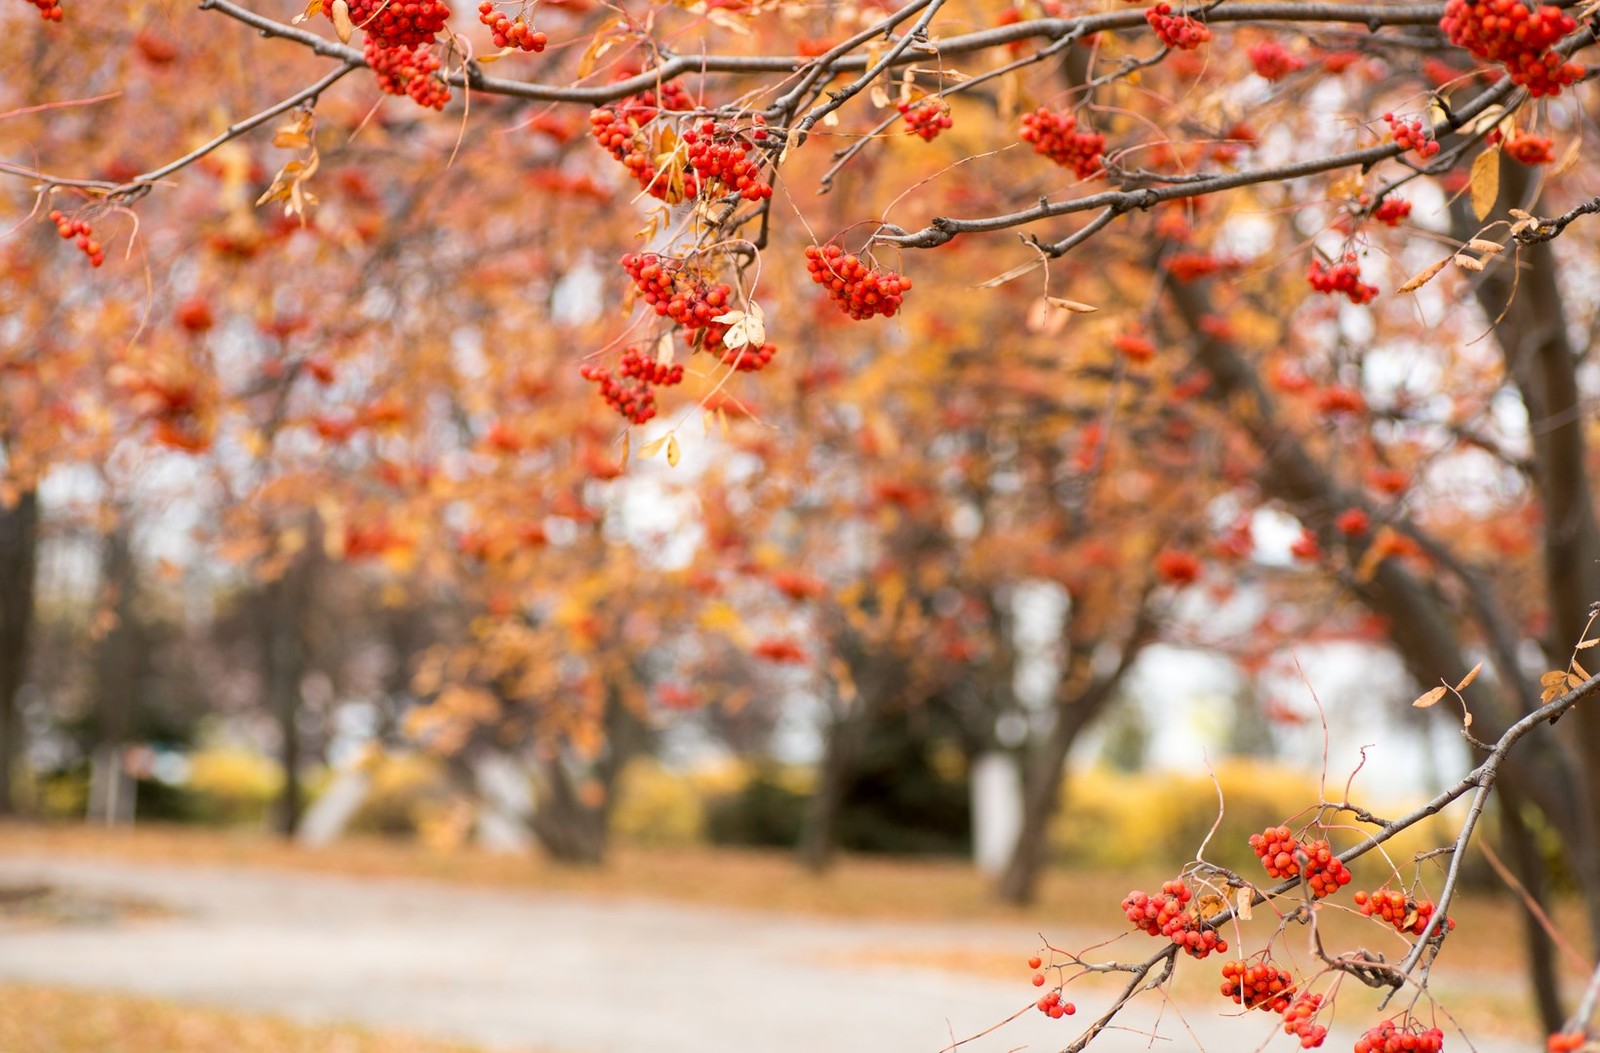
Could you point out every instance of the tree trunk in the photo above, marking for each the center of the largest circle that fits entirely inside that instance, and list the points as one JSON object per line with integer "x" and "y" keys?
{"x": 1080, "y": 698}
{"x": 569, "y": 827}
{"x": 1019, "y": 881}
{"x": 19, "y": 545}
{"x": 842, "y": 744}
{"x": 1529, "y": 868}
{"x": 284, "y": 646}
{"x": 1542, "y": 362}
{"x": 116, "y": 677}
{"x": 1423, "y": 624}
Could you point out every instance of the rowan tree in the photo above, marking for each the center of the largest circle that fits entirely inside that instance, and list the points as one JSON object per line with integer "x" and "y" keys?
{"x": 1346, "y": 235}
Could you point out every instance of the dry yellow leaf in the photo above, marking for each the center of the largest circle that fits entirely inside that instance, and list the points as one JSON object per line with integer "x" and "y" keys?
{"x": 1484, "y": 182}
{"x": 1428, "y": 698}
{"x": 1424, "y": 276}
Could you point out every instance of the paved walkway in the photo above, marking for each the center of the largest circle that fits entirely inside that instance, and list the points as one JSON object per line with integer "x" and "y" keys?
{"x": 553, "y": 973}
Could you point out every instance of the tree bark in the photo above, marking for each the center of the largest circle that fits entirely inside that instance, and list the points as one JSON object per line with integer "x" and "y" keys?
{"x": 842, "y": 745}
{"x": 1529, "y": 868}
{"x": 1019, "y": 882}
{"x": 285, "y": 654}
{"x": 1543, "y": 364}
{"x": 1080, "y": 698}
{"x": 1422, "y": 624}
{"x": 568, "y": 827}
{"x": 19, "y": 545}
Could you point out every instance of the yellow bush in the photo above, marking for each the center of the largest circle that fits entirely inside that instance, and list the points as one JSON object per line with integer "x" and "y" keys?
{"x": 409, "y": 793}
{"x": 1117, "y": 821}
{"x": 233, "y": 785}
{"x": 657, "y": 807}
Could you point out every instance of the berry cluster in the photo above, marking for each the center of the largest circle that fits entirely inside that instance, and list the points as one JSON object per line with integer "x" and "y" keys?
{"x": 1526, "y": 148}
{"x": 1056, "y": 136}
{"x": 1389, "y": 1037}
{"x": 1391, "y": 210}
{"x": 407, "y": 70}
{"x": 1565, "y": 1042}
{"x": 624, "y": 130}
{"x": 1135, "y": 346}
{"x": 749, "y": 359}
{"x": 49, "y": 10}
{"x": 70, "y": 229}
{"x": 1273, "y": 61}
{"x": 1520, "y": 38}
{"x": 1259, "y": 986}
{"x": 1353, "y": 522}
{"x": 1280, "y": 854}
{"x": 720, "y": 154}
{"x": 1275, "y": 847}
{"x": 1409, "y": 133}
{"x": 1179, "y": 32}
{"x": 510, "y": 32}
{"x": 1176, "y": 566}
{"x": 1343, "y": 277}
{"x": 631, "y": 391}
{"x": 677, "y": 292}
{"x": 1192, "y": 266}
{"x": 1052, "y": 1006}
{"x": 859, "y": 291}
{"x": 1299, "y": 1019}
{"x": 1406, "y": 915}
{"x": 1167, "y": 914}
{"x": 926, "y": 118}
{"x": 397, "y": 23}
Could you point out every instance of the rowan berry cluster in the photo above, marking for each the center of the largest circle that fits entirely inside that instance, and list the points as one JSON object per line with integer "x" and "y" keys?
{"x": 858, "y": 290}
{"x": 1519, "y": 37}
{"x": 623, "y": 129}
{"x": 1176, "y": 566}
{"x": 1299, "y": 1020}
{"x": 1052, "y": 1006}
{"x": 397, "y": 23}
{"x": 1405, "y": 914}
{"x": 1409, "y": 133}
{"x": 49, "y": 10}
{"x": 1192, "y": 266}
{"x": 1135, "y": 346}
{"x": 1261, "y": 985}
{"x": 720, "y": 154}
{"x": 1275, "y": 847}
{"x": 1056, "y": 136}
{"x": 926, "y": 118}
{"x": 1167, "y": 914}
{"x": 1353, "y": 522}
{"x": 1565, "y": 1042}
{"x": 407, "y": 70}
{"x": 1273, "y": 61}
{"x": 1281, "y": 855}
{"x": 748, "y": 359}
{"x": 1525, "y": 148}
{"x": 1343, "y": 277}
{"x": 1179, "y": 32}
{"x": 78, "y": 230}
{"x": 676, "y": 291}
{"x": 1391, "y": 210}
{"x": 1390, "y": 1037}
{"x": 631, "y": 391}
{"x": 649, "y": 370}
{"x": 510, "y": 32}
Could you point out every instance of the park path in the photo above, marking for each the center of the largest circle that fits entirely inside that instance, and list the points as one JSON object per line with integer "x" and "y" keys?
{"x": 548, "y": 972}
